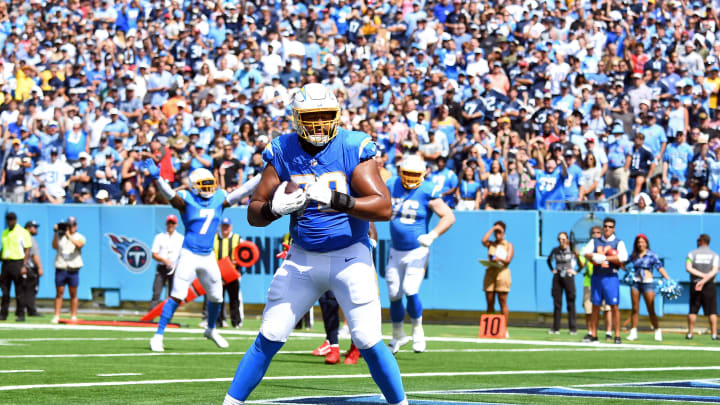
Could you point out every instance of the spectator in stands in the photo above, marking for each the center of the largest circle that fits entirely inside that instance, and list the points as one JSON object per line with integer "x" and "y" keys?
{"x": 68, "y": 243}
{"x": 642, "y": 163}
{"x": 644, "y": 262}
{"x": 549, "y": 180}
{"x": 495, "y": 179}
{"x": 497, "y": 280}
{"x": 619, "y": 160}
{"x": 469, "y": 194}
{"x": 14, "y": 172}
{"x": 446, "y": 180}
{"x": 563, "y": 265}
{"x": 676, "y": 159}
{"x": 702, "y": 264}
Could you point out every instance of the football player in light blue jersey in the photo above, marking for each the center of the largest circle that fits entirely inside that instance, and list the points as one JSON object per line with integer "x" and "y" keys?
{"x": 340, "y": 191}
{"x": 414, "y": 200}
{"x": 201, "y": 210}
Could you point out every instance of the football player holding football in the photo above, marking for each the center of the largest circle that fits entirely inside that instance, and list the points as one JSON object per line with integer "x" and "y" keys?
{"x": 201, "y": 210}
{"x": 414, "y": 200}
{"x": 340, "y": 191}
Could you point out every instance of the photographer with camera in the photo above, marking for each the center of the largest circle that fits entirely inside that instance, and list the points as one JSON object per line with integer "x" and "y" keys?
{"x": 68, "y": 242}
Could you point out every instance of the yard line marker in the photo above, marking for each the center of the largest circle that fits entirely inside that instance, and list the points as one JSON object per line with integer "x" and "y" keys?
{"x": 342, "y": 376}
{"x": 118, "y": 374}
{"x": 20, "y": 371}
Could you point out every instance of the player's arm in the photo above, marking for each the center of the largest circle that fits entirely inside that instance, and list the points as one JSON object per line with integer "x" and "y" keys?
{"x": 373, "y": 234}
{"x": 163, "y": 186}
{"x": 257, "y": 213}
{"x": 373, "y": 202}
{"x": 447, "y": 218}
{"x": 241, "y": 192}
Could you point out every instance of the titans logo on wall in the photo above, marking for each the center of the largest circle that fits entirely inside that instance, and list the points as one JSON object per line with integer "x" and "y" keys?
{"x": 132, "y": 253}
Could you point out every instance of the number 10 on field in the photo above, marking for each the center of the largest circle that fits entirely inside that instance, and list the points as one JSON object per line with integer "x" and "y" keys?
{"x": 492, "y": 326}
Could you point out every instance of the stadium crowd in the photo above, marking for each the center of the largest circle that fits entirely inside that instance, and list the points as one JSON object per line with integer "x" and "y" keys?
{"x": 514, "y": 105}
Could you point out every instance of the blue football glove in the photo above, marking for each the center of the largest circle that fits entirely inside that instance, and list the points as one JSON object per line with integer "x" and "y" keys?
{"x": 152, "y": 169}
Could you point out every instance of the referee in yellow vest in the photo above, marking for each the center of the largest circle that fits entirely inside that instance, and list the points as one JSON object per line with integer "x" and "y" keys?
{"x": 16, "y": 244}
{"x": 225, "y": 243}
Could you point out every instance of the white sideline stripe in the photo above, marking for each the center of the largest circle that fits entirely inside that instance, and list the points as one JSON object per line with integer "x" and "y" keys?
{"x": 223, "y": 353}
{"x": 118, "y": 374}
{"x": 336, "y": 377}
{"x": 311, "y": 335}
{"x": 20, "y": 371}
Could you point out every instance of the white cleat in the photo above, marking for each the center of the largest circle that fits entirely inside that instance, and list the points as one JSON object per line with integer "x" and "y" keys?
{"x": 658, "y": 335}
{"x": 418, "y": 338}
{"x": 419, "y": 345}
{"x": 633, "y": 335}
{"x": 56, "y": 319}
{"x": 213, "y": 335}
{"x": 395, "y": 344}
{"x": 156, "y": 343}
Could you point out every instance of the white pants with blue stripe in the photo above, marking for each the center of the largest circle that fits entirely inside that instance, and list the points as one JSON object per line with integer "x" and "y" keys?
{"x": 349, "y": 273}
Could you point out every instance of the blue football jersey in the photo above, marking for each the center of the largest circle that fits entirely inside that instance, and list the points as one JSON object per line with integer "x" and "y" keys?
{"x": 410, "y": 215}
{"x": 320, "y": 229}
{"x": 201, "y": 219}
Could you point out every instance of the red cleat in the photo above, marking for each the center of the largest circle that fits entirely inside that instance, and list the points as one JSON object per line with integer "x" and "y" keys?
{"x": 334, "y": 356}
{"x": 352, "y": 355}
{"x": 323, "y": 350}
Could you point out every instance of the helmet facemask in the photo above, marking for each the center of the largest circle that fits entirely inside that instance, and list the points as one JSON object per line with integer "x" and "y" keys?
{"x": 205, "y": 187}
{"x": 317, "y": 126}
{"x": 412, "y": 172}
{"x": 202, "y": 183}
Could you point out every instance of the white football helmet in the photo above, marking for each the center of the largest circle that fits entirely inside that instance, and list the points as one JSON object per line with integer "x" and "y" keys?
{"x": 202, "y": 183}
{"x": 308, "y": 106}
{"x": 412, "y": 171}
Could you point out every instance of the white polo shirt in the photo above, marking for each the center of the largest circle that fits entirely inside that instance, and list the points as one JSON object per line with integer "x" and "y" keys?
{"x": 168, "y": 246}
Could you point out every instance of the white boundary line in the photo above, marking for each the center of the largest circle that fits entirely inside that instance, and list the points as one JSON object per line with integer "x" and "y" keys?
{"x": 20, "y": 371}
{"x": 118, "y": 374}
{"x": 343, "y": 376}
{"x": 222, "y": 353}
{"x": 310, "y": 335}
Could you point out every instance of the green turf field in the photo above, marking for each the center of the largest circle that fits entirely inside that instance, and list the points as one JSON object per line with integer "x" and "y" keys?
{"x": 56, "y": 364}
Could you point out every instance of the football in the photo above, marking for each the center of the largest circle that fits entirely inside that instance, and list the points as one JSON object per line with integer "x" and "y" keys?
{"x": 289, "y": 189}
{"x": 611, "y": 252}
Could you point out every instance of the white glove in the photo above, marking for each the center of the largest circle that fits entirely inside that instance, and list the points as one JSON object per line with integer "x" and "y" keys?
{"x": 427, "y": 239}
{"x": 283, "y": 204}
{"x": 598, "y": 258}
{"x": 319, "y": 192}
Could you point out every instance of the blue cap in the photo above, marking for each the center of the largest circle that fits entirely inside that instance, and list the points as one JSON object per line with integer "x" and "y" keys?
{"x": 109, "y": 100}
{"x": 618, "y": 130}
{"x": 226, "y": 221}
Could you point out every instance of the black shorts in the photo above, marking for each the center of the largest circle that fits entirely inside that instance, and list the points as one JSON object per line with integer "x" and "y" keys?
{"x": 705, "y": 298}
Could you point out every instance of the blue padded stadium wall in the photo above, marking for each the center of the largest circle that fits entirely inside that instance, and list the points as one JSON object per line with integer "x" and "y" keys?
{"x": 454, "y": 279}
